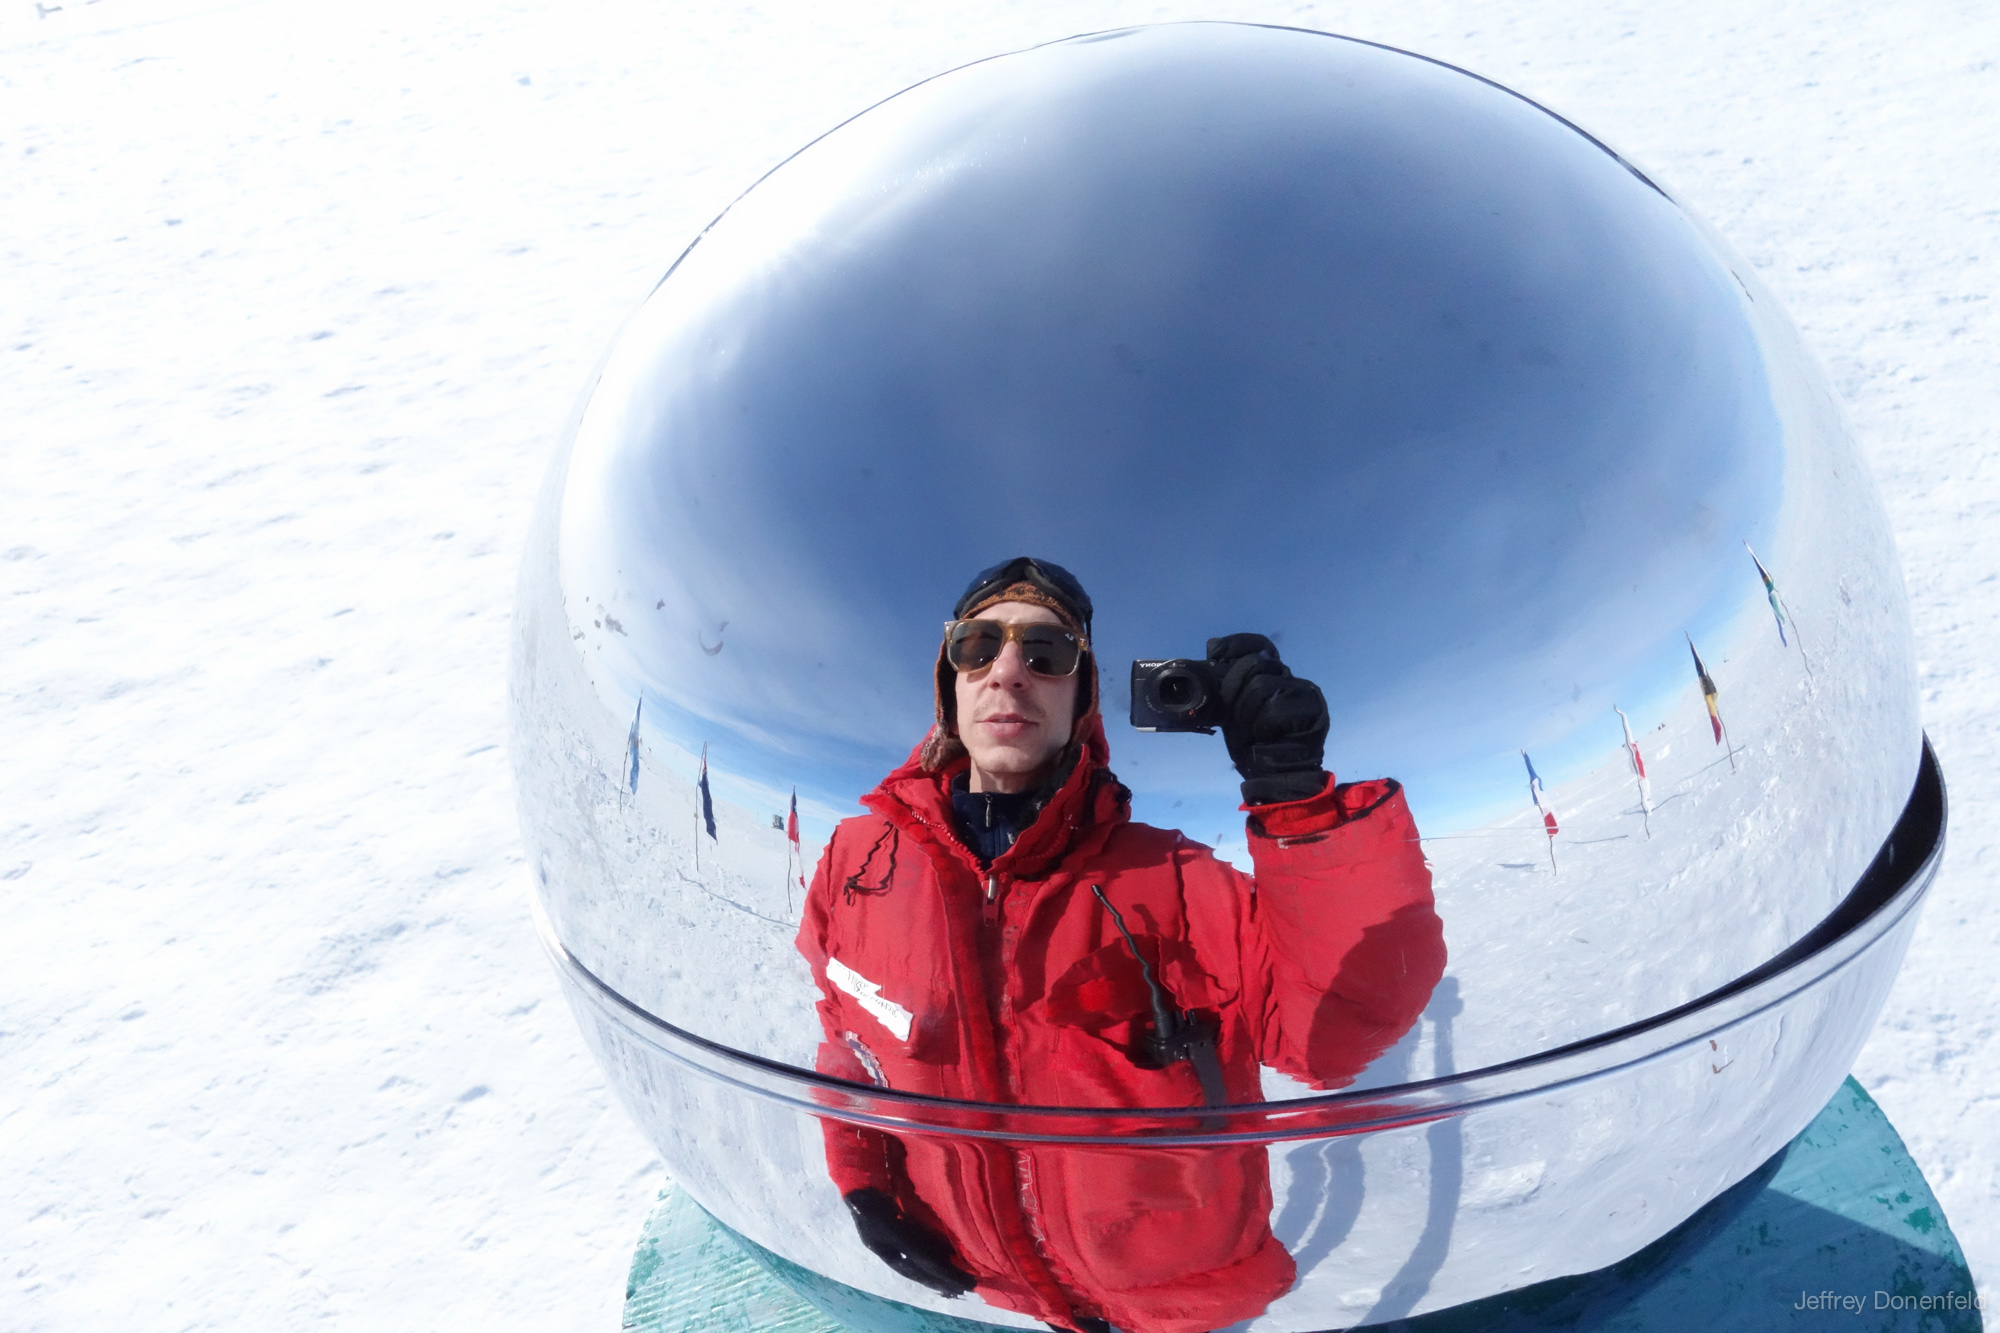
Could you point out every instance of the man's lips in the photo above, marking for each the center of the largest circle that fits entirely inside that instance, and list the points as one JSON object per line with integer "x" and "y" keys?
{"x": 1006, "y": 725}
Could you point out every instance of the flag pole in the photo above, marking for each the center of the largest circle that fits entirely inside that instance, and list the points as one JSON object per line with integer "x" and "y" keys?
{"x": 1547, "y": 814}
{"x": 794, "y": 848}
{"x": 1782, "y": 609}
{"x": 1708, "y": 695}
{"x": 1638, "y": 770}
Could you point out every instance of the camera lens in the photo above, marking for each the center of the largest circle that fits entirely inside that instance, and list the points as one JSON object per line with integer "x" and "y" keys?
{"x": 1180, "y": 690}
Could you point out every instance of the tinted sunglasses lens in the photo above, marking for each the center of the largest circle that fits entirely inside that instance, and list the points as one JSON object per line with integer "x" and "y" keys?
{"x": 1049, "y": 652}
{"x": 974, "y": 644}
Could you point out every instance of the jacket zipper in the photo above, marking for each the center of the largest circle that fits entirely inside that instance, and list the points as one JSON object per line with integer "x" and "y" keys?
{"x": 1025, "y": 1195}
{"x": 995, "y": 919}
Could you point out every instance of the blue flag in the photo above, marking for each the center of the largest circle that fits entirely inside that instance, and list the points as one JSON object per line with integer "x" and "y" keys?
{"x": 1770, "y": 591}
{"x": 632, "y": 744}
{"x": 707, "y": 805}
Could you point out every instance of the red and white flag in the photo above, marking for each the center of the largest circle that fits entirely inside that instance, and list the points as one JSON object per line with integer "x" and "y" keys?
{"x": 1540, "y": 798}
{"x": 792, "y": 833}
{"x": 1638, "y": 769}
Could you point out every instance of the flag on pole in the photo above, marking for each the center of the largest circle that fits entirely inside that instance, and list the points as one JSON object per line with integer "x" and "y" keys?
{"x": 707, "y": 805}
{"x": 792, "y": 835}
{"x": 1638, "y": 770}
{"x": 1714, "y": 710}
{"x": 632, "y": 745}
{"x": 792, "y": 830}
{"x": 1707, "y": 692}
{"x": 1538, "y": 795}
{"x": 1779, "y": 609}
{"x": 1770, "y": 592}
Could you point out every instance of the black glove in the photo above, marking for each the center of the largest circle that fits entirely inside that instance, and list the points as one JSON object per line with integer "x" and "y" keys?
{"x": 906, "y": 1245}
{"x": 1276, "y": 722}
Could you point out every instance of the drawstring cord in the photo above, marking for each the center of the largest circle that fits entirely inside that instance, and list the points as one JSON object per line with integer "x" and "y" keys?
{"x": 854, "y": 884}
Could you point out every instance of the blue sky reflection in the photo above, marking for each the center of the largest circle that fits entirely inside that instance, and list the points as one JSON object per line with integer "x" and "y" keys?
{"x": 1455, "y": 407}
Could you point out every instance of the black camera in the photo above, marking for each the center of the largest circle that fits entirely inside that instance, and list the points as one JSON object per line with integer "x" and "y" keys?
{"x": 1178, "y": 694}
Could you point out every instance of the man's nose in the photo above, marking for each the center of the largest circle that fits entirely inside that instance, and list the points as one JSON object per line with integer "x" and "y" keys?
{"x": 1010, "y": 666}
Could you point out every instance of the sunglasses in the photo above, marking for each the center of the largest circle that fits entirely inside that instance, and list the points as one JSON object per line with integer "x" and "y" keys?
{"x": 1049, "y": 650}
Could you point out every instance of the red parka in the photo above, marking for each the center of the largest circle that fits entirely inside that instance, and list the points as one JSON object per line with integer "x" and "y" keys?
{"x": 1013, "y": 985}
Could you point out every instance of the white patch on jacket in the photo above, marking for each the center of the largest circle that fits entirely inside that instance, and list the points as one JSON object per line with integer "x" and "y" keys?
{"x": 891, "y": 1015}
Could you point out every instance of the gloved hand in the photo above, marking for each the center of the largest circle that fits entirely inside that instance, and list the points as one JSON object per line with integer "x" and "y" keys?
{"x": 1276, "y": 724}
{"x": 906, "y": 1245}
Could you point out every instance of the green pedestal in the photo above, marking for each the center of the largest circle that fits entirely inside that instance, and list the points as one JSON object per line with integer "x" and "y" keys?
{"x": 1838, "y": 1231}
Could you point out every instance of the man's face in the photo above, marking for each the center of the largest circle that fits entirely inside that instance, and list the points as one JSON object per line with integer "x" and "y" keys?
{"x": 1013, "y": 722}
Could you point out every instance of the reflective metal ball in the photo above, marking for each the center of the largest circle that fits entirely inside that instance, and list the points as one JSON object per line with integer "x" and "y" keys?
{"x": 1253, "y": 329}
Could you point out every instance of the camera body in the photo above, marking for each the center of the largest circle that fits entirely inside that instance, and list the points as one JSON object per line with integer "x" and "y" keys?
{"x": 1176, "y": 694}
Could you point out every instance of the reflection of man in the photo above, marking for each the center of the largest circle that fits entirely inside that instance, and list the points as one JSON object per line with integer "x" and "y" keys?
{"x": 998, "y": 930}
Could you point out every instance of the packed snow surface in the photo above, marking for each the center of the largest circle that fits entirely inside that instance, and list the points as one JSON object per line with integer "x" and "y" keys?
{"x": 295, "y": 301}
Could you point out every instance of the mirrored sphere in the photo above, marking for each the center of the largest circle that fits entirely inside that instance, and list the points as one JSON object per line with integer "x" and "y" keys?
{"x": 1253, "y": 330}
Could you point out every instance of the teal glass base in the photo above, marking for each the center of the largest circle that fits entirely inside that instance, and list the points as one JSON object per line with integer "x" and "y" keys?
{"x": 1838, "y": 1231}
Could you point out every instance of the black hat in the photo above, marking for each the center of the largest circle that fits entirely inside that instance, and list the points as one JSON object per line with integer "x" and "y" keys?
{"x": 1046, "y": 575}
{"x": 1064, "y": 595}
